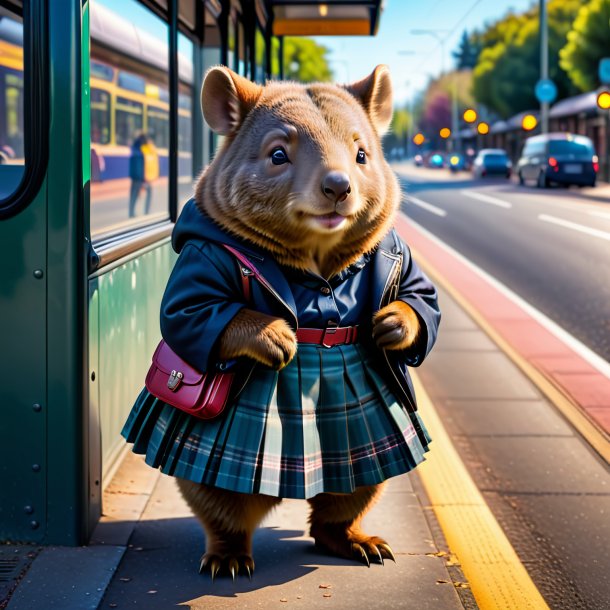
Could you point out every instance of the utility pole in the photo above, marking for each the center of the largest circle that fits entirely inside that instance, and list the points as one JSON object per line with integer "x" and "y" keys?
{"x": 544, "y": 64}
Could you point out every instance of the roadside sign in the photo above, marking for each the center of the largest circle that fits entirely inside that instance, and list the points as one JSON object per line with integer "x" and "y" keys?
{"x": 546, "y": 91}
{"x": 604, "y": 70}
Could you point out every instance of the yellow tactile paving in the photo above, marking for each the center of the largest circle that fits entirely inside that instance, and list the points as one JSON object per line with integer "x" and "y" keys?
{"x": 497, "y": 577}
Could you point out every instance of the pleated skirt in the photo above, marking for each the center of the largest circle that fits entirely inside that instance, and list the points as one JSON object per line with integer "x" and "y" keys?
{"x": 327, "y": 422}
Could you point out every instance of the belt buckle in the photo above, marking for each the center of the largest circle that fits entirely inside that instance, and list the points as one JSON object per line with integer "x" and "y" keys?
{"x": 328, "y": 330}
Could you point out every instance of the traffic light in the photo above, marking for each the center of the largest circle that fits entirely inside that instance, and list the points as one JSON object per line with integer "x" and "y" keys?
{"x": 470, "y": 115}
{"x": 483, "y": 128}
{"x": 418, "y": 139}
{"x": 529, "y": 122}
{"x": 603, "y": 100}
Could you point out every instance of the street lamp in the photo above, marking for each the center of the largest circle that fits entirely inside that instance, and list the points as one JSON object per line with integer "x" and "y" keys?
{"x": 441, "y": 40}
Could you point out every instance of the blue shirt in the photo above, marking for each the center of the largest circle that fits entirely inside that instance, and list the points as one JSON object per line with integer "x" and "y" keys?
{"x": 344, "y": 300}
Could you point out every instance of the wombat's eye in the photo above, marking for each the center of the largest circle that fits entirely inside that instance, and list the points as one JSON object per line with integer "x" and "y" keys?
{"x": 361, "y": 156}
{"x": 279, "y": 156}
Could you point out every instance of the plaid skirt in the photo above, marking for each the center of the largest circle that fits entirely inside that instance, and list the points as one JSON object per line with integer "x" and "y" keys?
{"x": 327, "y": 422}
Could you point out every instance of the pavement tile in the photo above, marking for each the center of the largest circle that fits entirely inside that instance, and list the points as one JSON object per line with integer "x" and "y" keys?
{"x": 475, "y": 375}
{"x": 453, "y": 317}
{"x": 69, "y": 578}
{"x": 474, "y": 340}
{"x": 589, "y": 390}
{"x": 160, "y": 567}
{"x": 572, "y": 519}
{"x": 502, "y": 418}
{"x": 544, "y": 464}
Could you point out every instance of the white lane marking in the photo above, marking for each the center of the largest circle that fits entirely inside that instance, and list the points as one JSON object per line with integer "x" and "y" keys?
{"x": 581, "y": 349}
{"x": 487, "y": 199}
{"x": 600, "y": 214}
{"x": 574, "y": 226}
{"x": 426, "y": 206}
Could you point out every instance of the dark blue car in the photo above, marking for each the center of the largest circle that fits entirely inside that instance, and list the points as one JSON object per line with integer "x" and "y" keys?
{"x": 562, "y": 158}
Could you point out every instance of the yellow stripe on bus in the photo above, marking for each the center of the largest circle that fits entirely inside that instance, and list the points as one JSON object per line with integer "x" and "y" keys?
{"x": 496, "y": 576}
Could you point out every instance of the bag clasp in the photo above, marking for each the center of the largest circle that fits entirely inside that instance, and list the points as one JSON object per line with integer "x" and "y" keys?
{"x": 174, "y": 381}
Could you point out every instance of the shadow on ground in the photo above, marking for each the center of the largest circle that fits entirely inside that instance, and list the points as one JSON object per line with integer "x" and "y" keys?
{"x": 160, "y": 567}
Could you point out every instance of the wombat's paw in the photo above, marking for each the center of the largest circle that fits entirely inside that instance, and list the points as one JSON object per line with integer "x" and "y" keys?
{"x": 351, "y": 543}
{"x": 226, "y": 565}
{"x": 264, "y": 338}
{"x": 396, "y": 326}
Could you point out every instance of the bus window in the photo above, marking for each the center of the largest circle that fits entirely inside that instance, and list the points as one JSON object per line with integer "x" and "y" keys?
{"x": 100, "y": 116}
{"x": 129, "y": 115}
{"x": 12, "y": 153}
{"x": 185, "y": 120}
{"x": 157, "y": 126}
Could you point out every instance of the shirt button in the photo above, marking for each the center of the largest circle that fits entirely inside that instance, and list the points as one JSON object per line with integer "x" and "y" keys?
{"x": 325, "y": 290}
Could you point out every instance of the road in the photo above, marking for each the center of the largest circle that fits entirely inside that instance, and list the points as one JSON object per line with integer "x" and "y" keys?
{"x": 545, "y": 485}
{"x": 551, "y": 246}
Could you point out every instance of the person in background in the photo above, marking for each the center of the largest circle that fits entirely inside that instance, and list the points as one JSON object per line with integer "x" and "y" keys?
{"x": 143, "y": 170}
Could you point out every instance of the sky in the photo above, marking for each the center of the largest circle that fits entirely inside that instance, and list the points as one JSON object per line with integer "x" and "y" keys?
{"x": 353, "y": 57}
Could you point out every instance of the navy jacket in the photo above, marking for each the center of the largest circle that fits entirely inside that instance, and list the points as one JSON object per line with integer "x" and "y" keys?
{"x": 204, "y": 293}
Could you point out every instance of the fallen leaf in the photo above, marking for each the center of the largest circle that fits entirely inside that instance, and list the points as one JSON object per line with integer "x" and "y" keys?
{"x": 283, "y": 599}
{"x": 441, "y": 582}
{"x": 325, "y": 587}
{"x": 439, "y": 554}
{"x": 327, "y": 595}
{"x": 461, "y": 585}
{"x": 299, "y": 597}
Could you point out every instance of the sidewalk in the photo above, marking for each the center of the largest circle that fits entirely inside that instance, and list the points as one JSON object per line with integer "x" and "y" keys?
{"x": 150, "y": 561}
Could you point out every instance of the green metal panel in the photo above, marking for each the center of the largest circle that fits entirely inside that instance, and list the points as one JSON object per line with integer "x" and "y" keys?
{"x": 66, "y": 285}
{"x": 23, "y": 404}
{"x": 128, "y": 298}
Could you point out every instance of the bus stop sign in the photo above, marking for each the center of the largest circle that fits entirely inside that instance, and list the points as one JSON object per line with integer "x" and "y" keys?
{"x": 546, "y": 91}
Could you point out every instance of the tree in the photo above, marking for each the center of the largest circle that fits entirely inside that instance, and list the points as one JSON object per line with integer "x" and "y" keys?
{"x": 588, "y": 42}
{"x": 509, "y": 64}
{"x": 305, "y": 60}
{"x": 467, "y": 53}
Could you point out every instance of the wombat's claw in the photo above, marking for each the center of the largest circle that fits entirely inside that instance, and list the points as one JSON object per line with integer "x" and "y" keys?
{"x": 249, "y": 572}
{"x": 233, "y": 567}
{"x": 387, "y": 551}
{"x": 357, "y": 549}
{"x": 211, "y": 562}
{"x": 379, "y": 555}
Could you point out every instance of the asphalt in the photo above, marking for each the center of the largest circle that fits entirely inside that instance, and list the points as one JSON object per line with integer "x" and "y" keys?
{"x": 563, "y": 272}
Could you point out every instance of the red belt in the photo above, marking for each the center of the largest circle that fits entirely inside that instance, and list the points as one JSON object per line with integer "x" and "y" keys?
{"x": 335, "y": 335}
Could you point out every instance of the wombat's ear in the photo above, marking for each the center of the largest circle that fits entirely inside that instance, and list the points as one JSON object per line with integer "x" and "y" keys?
{"x": 375, "y": 93}
{"x": 226, "y": 99}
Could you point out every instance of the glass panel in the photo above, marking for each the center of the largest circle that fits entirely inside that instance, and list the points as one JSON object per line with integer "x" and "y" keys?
{"x": 185, "y": 120}
{"x": 129, "y": 115}
{"x": 12, "y": 153}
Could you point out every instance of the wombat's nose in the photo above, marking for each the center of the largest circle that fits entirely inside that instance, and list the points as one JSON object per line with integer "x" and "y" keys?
{"x": 335, "y": 185}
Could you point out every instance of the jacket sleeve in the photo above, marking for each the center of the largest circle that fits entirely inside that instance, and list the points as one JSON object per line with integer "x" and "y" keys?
{"x": 202, "y": 296}
{"x": 417, "y": 290}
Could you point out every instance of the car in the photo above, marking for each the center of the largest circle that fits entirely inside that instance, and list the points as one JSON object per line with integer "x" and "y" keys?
{"x": 491, "y": 162}
{"x": 562, "y": 158}
{"x": 434, "y": 160}
{"x": 456, "y": 162}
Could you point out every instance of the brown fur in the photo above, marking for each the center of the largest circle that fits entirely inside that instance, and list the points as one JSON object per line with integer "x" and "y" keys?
{"x": 321, "y": 127}
{"x": 256, "y": 335}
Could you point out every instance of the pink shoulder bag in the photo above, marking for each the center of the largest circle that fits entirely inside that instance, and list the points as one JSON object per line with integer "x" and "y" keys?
{"x": 172, "y": 380}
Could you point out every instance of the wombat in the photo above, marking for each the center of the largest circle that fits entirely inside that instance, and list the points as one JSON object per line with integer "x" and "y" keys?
{"x": 326, "y": 411}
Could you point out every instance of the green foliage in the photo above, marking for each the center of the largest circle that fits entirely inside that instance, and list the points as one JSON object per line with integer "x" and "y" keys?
{"x": 305, "y": 60}
{"x": 467, "y": 53}
{"x": 588, "y": 42}
{"x": 509, "y": 63}
{"x": 401, "y": 120}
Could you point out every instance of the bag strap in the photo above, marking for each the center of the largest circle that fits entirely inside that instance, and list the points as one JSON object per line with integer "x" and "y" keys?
{"x": 247, "y": 269}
